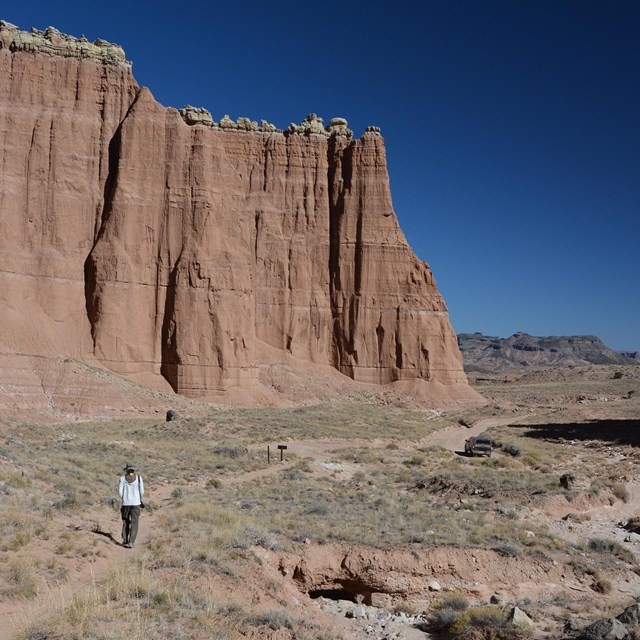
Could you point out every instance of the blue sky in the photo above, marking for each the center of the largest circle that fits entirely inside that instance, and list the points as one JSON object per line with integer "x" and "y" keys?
{"x": 512, "y": 129}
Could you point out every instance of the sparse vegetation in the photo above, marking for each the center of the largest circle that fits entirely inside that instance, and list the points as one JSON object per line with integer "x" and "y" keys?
{"x": 611, "y": 547}
{"x": 603, "y": 586}
{"x": 224, "y": 513}
{"x": 476, "y": 623}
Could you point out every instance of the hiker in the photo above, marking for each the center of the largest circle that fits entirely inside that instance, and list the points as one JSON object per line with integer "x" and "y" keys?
{"x": 131, "y": 489}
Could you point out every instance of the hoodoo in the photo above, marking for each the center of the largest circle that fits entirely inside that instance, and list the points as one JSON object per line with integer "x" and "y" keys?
{"x": 162, "y": 243}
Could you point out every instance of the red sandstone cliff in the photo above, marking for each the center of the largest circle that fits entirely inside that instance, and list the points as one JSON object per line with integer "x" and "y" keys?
{"x": 159, "y": 248}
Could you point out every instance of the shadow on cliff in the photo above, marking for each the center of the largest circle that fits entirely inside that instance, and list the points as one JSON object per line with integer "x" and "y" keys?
{"x": 619, "y": 432}
{"x": 91, "y": 268}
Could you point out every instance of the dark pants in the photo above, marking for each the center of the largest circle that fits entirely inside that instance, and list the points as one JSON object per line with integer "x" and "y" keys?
{"x": 130, "y": 517}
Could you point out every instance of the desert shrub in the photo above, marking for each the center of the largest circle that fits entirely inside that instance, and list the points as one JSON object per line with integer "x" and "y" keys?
{"x": 230, "y": 451}
{"x": 498, "y": 462}
{"x": 633, "y": 524}
{"x": 261, "y": 538}
{"x": 507, "y": 550}
{"x": 512, "y": 450}
{"x": 18, "y": 481}
{"x": 273, "y": 619}
{"x": 621, "y": 492}
{"x": 21, "y": 538}
{"x": 535, "y": 460}
{"x": 618, "y": 489}
{"x": 479, "y": 617}
{"x": 600, "y": 545}
{"x": 416, "y": 460}
{"x": 581, "y": 567}
{"x": 617, "y": 375}
{"x": 456, "y": 601}
{"x": 602, "y": 586}
{"x": 454, "y": 617}
{"x": 485, "y": 623}
{"x": 22, "y": 579}
{"x": 294, "y": 474}
{"x": 443, "y": 619}
{"x": 317, "y": 509}
{"x": 407, "y": 608}
{"x": 611, "y": 546}
{"x": 577, "y": 517}
{"x": 68, "y": 500}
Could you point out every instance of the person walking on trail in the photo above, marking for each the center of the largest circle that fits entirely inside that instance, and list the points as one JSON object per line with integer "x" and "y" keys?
{"x": 131, "y": 489}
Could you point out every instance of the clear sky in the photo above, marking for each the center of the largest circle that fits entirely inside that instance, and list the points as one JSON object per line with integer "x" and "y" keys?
{"x": 512, "y": 129}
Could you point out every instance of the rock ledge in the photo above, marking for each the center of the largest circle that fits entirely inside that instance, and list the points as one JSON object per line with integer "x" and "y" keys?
{"x": 52, "y": 42}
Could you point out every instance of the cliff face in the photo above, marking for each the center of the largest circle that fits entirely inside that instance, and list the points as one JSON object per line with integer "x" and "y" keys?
{"x": 57, "y": 119}
{"x": 160, "y": 248}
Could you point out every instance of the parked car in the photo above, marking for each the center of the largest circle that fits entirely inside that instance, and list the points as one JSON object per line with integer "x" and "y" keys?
{"x": 478, "y": 446}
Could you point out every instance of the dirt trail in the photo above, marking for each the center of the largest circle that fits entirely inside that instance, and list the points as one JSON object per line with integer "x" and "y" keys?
{"x": 321, "y": 451}
{"x": 452, "y": 438}
{"x": 90, "y": 571}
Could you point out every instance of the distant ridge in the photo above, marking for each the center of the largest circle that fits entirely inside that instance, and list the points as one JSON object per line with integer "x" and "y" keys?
{"x": 522, "y": 351}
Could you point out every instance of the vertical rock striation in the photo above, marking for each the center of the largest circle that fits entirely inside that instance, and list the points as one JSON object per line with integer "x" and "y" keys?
{"x": 164, "y": 244}
{"x": 58, "y": 117}
{"x": 390, "y": 321}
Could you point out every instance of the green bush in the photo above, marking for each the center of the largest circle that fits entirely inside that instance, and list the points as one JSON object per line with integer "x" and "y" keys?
{"x": 478, "y": 623}
{"x": 456, "y": 601}
{"x": 443, "y": 619}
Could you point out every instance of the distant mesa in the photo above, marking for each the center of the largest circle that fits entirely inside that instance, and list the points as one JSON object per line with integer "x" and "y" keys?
{"x": 522, "y": 351}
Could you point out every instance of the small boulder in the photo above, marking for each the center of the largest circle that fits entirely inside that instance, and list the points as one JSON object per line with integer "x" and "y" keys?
{"x": 358, "y": 613}
{"x": 518, "y": 618}
{"x": 631, "y": 615}
{"x": 380, "y": 600}
{"x": 605, "y": 629}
